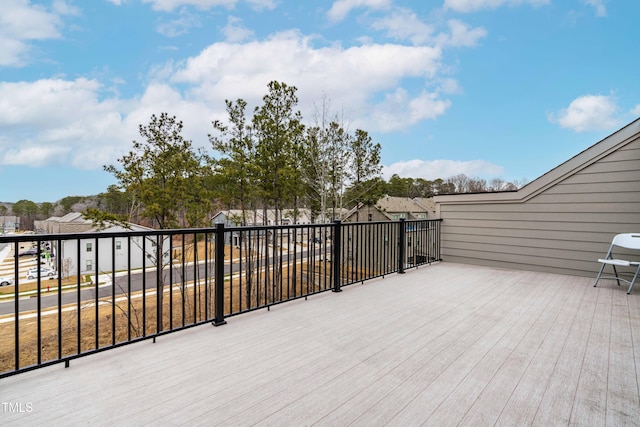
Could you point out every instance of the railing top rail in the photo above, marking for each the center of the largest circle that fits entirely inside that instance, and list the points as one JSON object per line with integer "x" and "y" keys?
{"x": 14, "y": 238}
{"x": 114, "y": 292}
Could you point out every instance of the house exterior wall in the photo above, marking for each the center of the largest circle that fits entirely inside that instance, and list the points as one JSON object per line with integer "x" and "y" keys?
{"x": 9, "y": 224}
{"x": 98, "y": 255}
{"x": 561, "y": 223}
{"x": 61, "y": 228}
{"x": 366, "y": 214}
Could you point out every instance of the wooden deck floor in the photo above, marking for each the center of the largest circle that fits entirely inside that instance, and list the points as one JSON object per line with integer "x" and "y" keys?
{"x": 447, "y": 344}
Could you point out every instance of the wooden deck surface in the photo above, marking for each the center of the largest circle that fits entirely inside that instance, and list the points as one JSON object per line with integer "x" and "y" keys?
{"x": 443, "y": 345}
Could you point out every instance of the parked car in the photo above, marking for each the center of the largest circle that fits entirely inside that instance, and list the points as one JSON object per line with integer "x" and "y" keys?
{"x": 44, "y": 272}
{"x": 28, "y": 252}
{"x": 6, "y": 281}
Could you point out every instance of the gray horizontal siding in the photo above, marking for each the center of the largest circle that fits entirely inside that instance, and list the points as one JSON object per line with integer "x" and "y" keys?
{"x": 609, "y": 176}
{"x": 564, "y": 228}
{"x": 520, "y": 263}
{"x": 559, "y": 215}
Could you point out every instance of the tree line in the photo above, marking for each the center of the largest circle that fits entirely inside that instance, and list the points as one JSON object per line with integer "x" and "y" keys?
{"x": 265, "y": 160}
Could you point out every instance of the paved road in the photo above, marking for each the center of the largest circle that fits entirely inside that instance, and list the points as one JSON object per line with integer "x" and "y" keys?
{"x": 88, "y": 294}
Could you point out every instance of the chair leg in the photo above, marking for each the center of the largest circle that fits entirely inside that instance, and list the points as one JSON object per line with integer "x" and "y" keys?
{"x": 633, "y": 281}
{"x": 599, "y": 274}
{"x": 616, "y": 273}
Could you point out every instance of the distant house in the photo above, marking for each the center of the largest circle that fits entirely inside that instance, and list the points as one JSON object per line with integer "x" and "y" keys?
{"x": 9, "y": 224}
{"x": 97, "y": 254}
{"x": 73, "y": 222}
{"x": 92, "y": 255}
{"x": 233, "y": 218}
{"x": 561, "y": 223}
{"x": 390, "y": 208}
{"x": 419, "y": 238}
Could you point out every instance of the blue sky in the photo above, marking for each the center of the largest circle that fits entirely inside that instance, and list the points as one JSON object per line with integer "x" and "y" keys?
{"x": 488, "y": 88}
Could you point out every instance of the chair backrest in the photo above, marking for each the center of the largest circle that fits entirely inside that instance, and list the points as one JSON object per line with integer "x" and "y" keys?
{"x": 627, "y": 240}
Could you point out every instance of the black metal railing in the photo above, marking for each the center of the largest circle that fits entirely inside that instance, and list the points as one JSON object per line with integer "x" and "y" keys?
{"x": 88, "y": 292}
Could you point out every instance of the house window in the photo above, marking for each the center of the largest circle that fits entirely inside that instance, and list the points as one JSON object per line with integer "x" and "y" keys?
{"x": 421, "y": 216}
{"x": 118, "y": 245}
{"x": 89, "y": 265}
{"x": 89, "y": 247}
{"x": 403, "y": 215}
{"x": 394, "y": 216}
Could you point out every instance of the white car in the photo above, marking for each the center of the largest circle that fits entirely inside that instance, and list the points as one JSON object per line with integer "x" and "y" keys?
{"x": 6, "y": 281}
{"x": 44, "y": 271}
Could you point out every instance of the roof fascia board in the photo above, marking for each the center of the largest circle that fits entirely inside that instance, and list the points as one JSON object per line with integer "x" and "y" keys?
{"x": 606, "y": 146}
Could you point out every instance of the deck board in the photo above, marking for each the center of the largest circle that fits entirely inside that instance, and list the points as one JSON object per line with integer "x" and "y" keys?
{"x": 622, "y": 384}
{"x": 499, "y": 391}
{"x": 449, "y": 344}
{"x": 522, "y": 405}
{"x": 591, "y": 393}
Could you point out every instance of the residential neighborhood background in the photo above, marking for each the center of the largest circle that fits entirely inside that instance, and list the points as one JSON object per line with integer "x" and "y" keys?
{"x": 560, "y": 222}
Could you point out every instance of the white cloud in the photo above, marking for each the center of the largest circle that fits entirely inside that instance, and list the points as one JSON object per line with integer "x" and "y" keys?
{"x": 434, "y": 169}
{"x": 169, "y": 5}
{"x": 462, "y": 35}
{"x": 292, "y": 55}
{"x": 234, "y": 31}
{"x": 363, "y": 80}
{"x": 403, "y": 24}
{"x": 341, "y": 8}
{"x": 61, "y": 7}
{"x": 357, "y": 77}
{"x": 262, "y": 4}
{"x": 398, "y": 111}
{"x": 34, "y": 156}
{"x": 42, "y": 125}
{"x": 449, "y": 86}
{"x": 180, "y": 25}
{"x": 588, "y": 113}
{"x": 21, "y": 23}
{"x": 475, "y": 5}
{"x": 636, "y": 111}
{"x": 598, "y": 5}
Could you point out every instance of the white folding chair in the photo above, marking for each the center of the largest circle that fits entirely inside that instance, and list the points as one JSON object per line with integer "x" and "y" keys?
{"x": 628, "y": 241}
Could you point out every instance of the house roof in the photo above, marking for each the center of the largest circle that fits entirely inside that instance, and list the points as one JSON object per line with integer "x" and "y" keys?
{"x": 304, "y": 214}
{"x": 133, "y": 227}
{"x": 75, "y": 217}
{"x": 392, "y": 204}
{"x": 78, "y": 218}
{"x": 602, "y": 148}
{"x": 389, "y": 205}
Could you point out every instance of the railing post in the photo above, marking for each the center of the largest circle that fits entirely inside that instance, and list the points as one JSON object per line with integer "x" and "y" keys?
{"x": 218, "y": 269}
{"x": 402, "y": 242}
{"x": 336, "y": 242}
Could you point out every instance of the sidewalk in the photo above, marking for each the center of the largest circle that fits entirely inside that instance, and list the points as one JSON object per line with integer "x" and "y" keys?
{"x": 4, "y": 253}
